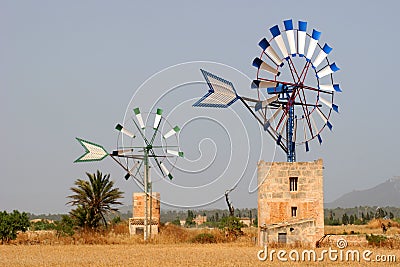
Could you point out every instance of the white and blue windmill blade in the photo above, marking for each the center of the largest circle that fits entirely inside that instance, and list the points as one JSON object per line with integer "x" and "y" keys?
{"x": 329, "y": 69}
{"x": 322, "y": 55}
{"x": 301, "y": 37}
{"x": 276, "y": 33}
{"x": 221, "y": 94}
{"x": 324, "y": 118}
{"x": 157, "y": 119}
{"x": 270, "y": 120}
{"x": 172, "y": 132}
{"x": 290, "y": 36}
{"x": 262, "y": 104}
{"x": 120, "y": 128}
{"x": 257, "y": 84}
{"x": 260, "y": 64}
{"x": 270, "y": 52}
{"x": 329, "y": 104}
{"x": 166, "y": 171}
{"x": 316, "y": 129}
{"x": 313, "y": 44}
{"x": 139, "y": 117}
{"x": 305, "y": 135}
{"x": 330, "y": 87}
{"x": 279, "y": 139}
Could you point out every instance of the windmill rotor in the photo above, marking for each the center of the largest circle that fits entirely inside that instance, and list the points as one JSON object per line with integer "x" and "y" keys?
{"x": 135, "y": 158}
{"x": 293, "y": 106}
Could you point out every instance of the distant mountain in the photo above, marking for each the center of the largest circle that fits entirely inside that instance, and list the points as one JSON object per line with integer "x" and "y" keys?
{"x": 382, "y": 195}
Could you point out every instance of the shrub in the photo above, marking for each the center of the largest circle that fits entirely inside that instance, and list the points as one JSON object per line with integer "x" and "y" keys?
{"x": 375, "y": 239}
{"x": 11, "y": 223}
{"x": 204, "y": 238}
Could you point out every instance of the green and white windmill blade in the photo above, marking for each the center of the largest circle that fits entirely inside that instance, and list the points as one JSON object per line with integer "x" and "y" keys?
{"x": 157, "y": 122}
{"x": 93, "y": 152}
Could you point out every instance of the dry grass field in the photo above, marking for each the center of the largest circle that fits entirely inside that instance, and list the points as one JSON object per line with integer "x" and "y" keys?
{"x": 173, "y": 247}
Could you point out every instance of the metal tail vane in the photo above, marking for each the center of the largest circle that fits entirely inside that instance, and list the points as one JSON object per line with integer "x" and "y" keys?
{"x": 132, "y": 162}
{"x": 288, "y": 99}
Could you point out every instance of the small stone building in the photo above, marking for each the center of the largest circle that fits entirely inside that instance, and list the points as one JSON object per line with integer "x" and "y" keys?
{"x": 290, "y": 202}
{"x": 136, "y": 224}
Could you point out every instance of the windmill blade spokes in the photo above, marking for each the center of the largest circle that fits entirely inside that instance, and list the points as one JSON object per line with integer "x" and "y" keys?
{"x": 270, "y": 52}
{"x": 329, "y": 104}
{"x": 139, "y": 117}
{"x": 324, "y": 118}
{"x": 156, "y": 125}
{"x": 329, "y": 69}
{"x": 301, "y": 37}
{"x": 269, "y": 122}
{"x": 330, "y": 87}
{"x": 120, "y": 128}
{"x": 121, "y": 151}
{"x": 172, "y": 132}
{"x": 166, "y": 171}
{"x": 316, "y": 129}
{"x": 260, "y": 64}
{"x": 265, "y": 103}
{"x": 175, "y": 153}
{"x": 129, "y": 174}
{"x": 157, "y": 119}
{"x": 322, "y": 55}
{"x": 290, "y": 36}
{"x": 313, "y": 43}
{"x": 276, "y": 33}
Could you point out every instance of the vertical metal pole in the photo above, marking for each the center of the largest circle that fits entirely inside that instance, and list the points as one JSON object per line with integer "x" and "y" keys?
{"x": 291, "y": 154}
{"x": 151, "y": 202}
{"x": 146, "y": 181}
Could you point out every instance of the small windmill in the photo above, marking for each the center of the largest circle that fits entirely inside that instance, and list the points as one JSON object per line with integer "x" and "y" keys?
{"x": 135, "y": 159}
{"x": 288, "y": 98}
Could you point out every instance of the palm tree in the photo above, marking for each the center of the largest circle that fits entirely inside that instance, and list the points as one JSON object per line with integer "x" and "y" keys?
{"x": 94, "y": 199}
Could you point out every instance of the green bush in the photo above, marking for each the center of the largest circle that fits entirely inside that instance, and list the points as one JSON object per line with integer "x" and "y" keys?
{"x": 375, "y": 239}
{"x": 204, "y": 238}
{"x": 11, "y": 223}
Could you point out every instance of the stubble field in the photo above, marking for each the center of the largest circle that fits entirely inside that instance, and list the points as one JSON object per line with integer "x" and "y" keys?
{"x": 171, "y": 248}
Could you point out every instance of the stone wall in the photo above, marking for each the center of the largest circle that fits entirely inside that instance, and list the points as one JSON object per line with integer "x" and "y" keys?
{"x": 139, "y": 205}
{"x": 276, "y": 200}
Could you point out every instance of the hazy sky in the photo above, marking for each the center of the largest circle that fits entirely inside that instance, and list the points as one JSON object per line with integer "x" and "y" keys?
{"x": 70, "y": 69}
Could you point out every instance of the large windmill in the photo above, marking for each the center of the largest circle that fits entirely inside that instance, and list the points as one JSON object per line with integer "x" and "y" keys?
{"x": 136, "y": 158}
{"x": 295, "y": 88}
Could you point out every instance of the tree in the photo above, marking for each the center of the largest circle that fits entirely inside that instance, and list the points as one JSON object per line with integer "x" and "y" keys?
{"x": 189, "y": 219}
{"x": 345, "y": 219}
{"x": 232, "y": 226}
{"x": 352, "y": 219}
{"x": 176, "y": 222}
{"x": 94, "y": 200}
{"x": 11, "y": 223}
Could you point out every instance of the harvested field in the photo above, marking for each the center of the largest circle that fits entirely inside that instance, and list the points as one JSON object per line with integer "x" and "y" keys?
{"x": 172, "y": 247}
{"x": 232, "y": 254}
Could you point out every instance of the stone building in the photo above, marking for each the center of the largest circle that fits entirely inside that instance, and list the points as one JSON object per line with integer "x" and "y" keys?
{"x": 290, "y": 202}
{"x": 200, "y": 219}
{"x": 136, "y": 224}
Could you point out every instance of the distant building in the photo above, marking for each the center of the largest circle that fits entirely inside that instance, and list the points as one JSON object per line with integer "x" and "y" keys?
{"x": 290, "y": 202}
{"x": 200, "y": 219}
{"x": 246, "y": 221}
{"x": 136, "y": 224}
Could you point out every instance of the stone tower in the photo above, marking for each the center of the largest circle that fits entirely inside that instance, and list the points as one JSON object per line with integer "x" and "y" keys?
{"x": 290, "y": 202}
{"x": 136, "y": 224}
